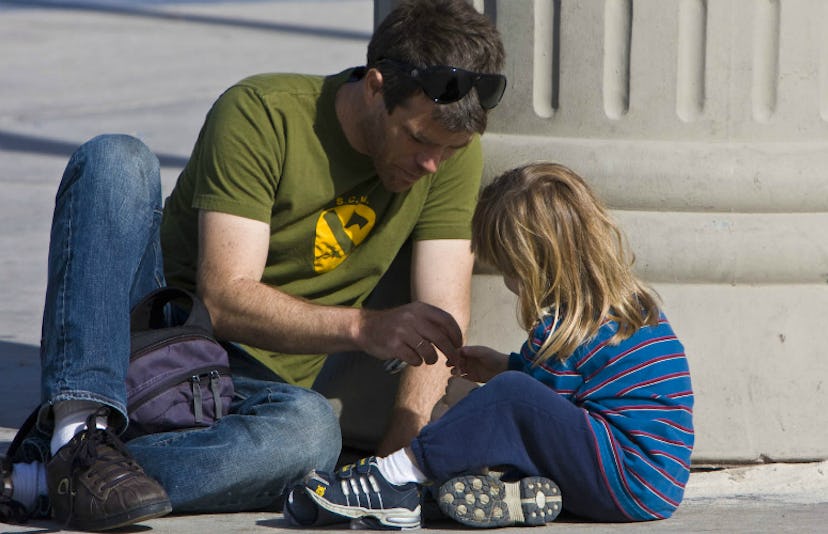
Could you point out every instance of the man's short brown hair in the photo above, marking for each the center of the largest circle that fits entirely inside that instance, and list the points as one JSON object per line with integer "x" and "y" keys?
{"x": 437, "y": 32}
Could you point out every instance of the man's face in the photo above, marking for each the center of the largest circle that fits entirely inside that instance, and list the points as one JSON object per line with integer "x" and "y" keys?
{"x": 408, "y": 143}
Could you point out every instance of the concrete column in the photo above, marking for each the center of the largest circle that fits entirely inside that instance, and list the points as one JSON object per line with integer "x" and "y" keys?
{"x": 704, "y": 125}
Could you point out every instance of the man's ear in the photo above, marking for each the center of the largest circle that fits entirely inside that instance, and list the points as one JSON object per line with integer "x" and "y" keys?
{"x": 373, "y": 84}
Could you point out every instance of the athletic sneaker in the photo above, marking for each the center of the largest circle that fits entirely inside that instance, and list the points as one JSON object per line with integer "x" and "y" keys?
{"x": 485, "y": 501}
{"x": 360, "y": 492}
{"x": 95, "y": 484}
{"x": 302, "y": 511}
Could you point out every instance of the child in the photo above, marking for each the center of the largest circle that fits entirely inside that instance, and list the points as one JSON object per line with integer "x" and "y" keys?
{"x": 597, "y": 402}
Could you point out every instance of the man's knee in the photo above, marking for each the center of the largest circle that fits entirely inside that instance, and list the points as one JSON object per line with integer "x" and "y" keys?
{"x": 119, "y": 147}
{"x": 321, "y": 434}
{"x": 122, "y": 167}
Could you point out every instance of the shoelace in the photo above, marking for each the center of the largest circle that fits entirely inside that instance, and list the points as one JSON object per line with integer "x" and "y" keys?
{"x": 87, "y": 455}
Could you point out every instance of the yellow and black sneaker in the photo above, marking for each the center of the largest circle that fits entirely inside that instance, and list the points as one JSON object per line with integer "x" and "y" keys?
{"x": 359, "y": 492}
{"x": 302, "y": 511}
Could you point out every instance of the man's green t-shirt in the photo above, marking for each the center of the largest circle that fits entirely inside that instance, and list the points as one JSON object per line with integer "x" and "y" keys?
{"x": 272, "y": 149}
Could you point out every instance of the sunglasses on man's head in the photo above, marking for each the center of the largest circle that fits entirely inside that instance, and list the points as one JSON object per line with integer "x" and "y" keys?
{"x": 444, "y": 84}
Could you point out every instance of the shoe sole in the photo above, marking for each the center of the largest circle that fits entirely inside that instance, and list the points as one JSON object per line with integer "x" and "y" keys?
{"x": 389, "y": 519}
{"x": 484, "y": 501}
{"x": 130, "y": 517}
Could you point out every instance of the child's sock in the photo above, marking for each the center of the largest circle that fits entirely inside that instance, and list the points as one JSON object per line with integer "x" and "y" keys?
{"x": 398, "y": 468}
{"x": 28, "y": 483}
{"x": 70, "y": 418}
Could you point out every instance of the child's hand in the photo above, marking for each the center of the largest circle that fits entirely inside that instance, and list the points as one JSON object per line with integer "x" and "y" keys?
{"x": 479, "y": 364}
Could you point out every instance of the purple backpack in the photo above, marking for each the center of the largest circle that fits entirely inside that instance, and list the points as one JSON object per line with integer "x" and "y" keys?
{"x": 179, "y": 375}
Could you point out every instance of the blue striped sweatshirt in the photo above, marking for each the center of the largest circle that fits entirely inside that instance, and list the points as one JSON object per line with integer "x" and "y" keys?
{"x": 638, "y": 400}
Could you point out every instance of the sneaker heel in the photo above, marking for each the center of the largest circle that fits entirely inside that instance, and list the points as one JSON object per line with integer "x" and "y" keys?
{"x": 540, "y": 500}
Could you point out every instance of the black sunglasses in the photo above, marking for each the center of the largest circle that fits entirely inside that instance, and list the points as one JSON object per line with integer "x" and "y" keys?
{"x": 444, "y": 84}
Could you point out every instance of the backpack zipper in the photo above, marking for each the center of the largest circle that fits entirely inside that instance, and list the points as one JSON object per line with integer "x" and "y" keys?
{"x": 179, "y": 378}
{"x": 185, "y": 336}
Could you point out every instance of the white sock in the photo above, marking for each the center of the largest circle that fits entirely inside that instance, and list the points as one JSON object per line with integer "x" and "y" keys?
{"x": 28, "y": 483}
{"x": 70, "y": 418}
{"x": 397, "y": 468}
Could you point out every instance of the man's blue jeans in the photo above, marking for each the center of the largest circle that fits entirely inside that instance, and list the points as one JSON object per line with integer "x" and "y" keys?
{"x": 104, "y": 256}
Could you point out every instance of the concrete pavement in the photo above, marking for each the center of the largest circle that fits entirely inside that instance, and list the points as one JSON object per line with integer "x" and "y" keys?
{"x": 70, "y": 70}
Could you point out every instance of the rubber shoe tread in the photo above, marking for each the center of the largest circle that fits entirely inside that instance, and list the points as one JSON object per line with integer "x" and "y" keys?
{"x": 485, "y": 501}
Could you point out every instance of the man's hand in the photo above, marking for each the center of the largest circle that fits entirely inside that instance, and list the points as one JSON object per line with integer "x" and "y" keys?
{"x": 479, "y": 364}
{"x": 409, "y": 333}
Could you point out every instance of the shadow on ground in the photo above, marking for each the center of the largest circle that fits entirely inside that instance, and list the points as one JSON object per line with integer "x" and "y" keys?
{"x": 150, "y": 12}
{"x": 19, "y": 382}
{"x": 17, "y": 142}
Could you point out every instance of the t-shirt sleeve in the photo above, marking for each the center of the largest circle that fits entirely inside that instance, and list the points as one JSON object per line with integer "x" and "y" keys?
{"x": 238, "y": 156}
{"x": 449, "y": 206}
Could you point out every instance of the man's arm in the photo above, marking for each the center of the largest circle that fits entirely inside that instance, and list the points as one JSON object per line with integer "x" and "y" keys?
{"x": 441, "y": 276}
{"x": 232, "y": 255}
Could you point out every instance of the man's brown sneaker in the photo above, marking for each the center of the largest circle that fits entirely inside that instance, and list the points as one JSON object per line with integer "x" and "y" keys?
{"x": 95, "y": 484}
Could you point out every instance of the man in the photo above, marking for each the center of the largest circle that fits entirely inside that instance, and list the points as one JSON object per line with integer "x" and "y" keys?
{"x": 299, "y": 194}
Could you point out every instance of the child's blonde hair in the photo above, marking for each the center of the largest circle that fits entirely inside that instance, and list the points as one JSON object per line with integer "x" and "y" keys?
{"x": 542, "y": 227}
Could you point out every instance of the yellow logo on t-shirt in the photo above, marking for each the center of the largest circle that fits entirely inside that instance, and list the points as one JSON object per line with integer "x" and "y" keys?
{"x": 339, "y": 230}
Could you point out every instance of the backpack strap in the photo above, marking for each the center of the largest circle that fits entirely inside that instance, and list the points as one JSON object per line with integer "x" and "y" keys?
{"x": 149, "y": 314}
